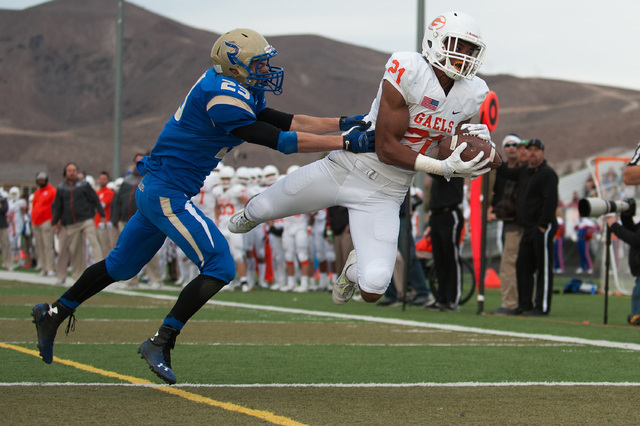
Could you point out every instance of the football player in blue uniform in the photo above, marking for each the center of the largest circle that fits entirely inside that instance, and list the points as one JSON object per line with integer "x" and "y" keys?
{"x": 224, "y": 108}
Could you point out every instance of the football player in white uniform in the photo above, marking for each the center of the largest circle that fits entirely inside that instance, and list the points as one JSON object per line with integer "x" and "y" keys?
{"x": 320, "y": 248}
{"x": 422, "y": 99}
{"x": 295, "y": 241}
{"x": 231, "y": 197}
{"x": 255, "y": 240}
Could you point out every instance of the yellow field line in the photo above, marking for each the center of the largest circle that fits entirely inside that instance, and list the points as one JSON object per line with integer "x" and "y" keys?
{"x": 264, "y": 415}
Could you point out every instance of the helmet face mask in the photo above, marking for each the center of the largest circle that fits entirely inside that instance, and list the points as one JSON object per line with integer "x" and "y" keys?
{"x": 453, "y": 44}
{"x": 270, "y": 175}
{"x": 243, "y": 176}
{"x": 227, "y": 173}
{"x": 244, "y": 55}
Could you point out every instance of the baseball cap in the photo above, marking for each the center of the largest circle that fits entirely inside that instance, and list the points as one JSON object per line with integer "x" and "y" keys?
{"x": 41, "y": 175}
{"x": 536, "y": 142}
{"x": 511, "y": 138}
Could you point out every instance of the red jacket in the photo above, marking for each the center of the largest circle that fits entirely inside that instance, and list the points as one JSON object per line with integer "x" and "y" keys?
{"x": 41, "y": 204}
{"x": 106, "y": 197}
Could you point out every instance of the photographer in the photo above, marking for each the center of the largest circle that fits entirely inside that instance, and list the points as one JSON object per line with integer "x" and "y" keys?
{"x": 629, "y": 232}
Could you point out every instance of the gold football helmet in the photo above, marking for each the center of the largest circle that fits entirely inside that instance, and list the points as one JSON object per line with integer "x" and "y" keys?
{"x": 237, "y": 53}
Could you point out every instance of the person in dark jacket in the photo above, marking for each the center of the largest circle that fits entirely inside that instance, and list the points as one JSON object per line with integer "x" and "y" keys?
{"x": 629, "y": 232}
{"x": 536, "y": 205}
{"x": 73, "y": 209}
{"x": 446, "y": 222}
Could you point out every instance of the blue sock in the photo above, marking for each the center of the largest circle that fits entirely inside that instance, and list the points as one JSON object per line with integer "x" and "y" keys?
{"x": 68, "y": 304}
{"x": 172, "y": 322}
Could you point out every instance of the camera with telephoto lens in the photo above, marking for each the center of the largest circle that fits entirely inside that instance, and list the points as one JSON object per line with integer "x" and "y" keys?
{"x": 594, "y": 207}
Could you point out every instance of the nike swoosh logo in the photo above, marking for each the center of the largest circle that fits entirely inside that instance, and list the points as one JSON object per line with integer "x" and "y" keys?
{"x": 456, "y": 112}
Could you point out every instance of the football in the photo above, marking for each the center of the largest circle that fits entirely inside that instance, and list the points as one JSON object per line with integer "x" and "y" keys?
{"x": 474, "y": 146}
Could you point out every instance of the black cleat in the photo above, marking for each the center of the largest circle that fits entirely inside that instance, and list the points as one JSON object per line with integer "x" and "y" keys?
{"x": 157, "y": 352}
{"x": 47, "y": 320}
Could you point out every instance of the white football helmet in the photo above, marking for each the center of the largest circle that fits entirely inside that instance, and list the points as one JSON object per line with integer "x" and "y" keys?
{"x": 118, "y": 183}
{"x": 226, "y": 177}
{"x": 91, "y": 181}
{"x": 292, "y": 168}
{"x": 243, "y": 175}
{"x": 256, "y": 175}
{"x": 270, "y": 175}
{"x": 442, "y": 48}
{"x": 235, "y": 51}
{"x": 14, "y": 193}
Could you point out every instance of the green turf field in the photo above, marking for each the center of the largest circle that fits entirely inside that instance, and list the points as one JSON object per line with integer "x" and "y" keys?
{"x": 281, "y": 358}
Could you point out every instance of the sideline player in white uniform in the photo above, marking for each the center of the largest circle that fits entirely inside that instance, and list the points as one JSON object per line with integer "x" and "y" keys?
{"x": 231, "y": 197}
{"x": 256, "y": 238}
{"x": 320, "y": 248}
{"x": 422, "y": 99}
{"x": 16, "y": 214}
{"x": 295, "y": 241}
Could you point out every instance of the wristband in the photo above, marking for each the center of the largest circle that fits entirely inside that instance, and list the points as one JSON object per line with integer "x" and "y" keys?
{"x": 430, "y": 165}
{"x": 287, "y": 142}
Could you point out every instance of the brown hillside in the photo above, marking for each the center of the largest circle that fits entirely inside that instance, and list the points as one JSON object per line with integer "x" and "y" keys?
{"x": 57, "y": 74}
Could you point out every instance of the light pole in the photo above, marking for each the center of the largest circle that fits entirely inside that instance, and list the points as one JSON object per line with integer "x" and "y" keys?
{"x": 117, "y": 108}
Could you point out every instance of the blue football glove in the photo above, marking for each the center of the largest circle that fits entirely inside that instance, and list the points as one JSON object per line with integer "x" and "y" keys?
{"x": 359, "y": 141}
{"x": 346, "y": 123}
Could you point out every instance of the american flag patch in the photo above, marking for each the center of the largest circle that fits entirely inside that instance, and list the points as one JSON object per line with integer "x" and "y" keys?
{"x": 429, "y": 103}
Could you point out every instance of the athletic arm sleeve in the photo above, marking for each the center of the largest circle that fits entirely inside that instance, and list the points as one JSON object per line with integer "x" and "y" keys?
{"x": 258, "y": 132}
{"x": 281, "y": 120}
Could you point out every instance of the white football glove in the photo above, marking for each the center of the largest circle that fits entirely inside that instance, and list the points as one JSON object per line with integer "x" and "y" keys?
{"x": 455, "y": 167}
{"x": 479, "y": 130}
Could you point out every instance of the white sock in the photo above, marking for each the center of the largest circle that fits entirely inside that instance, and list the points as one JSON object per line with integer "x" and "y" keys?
{"x": 352, "y": 273}
{"x": 324, "y": 279}
{"x": 291, "y": 281}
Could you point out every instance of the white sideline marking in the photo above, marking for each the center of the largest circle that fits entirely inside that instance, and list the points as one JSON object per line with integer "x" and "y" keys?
{"x": 378, "y": 345}
{"x": 334, "y": 385}
{"x": 550, "y": 337}
{"x": 448, "y": 327}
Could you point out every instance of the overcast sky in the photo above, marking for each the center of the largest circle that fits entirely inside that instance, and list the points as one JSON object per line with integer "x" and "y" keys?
{"x": 588, "y": 41}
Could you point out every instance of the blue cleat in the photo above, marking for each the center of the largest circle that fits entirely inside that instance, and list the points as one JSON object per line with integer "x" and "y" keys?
{"x": 47, "y": 320}
{"x": 157, "y": 352}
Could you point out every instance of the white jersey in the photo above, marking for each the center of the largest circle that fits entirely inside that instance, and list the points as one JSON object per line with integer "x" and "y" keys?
{"x": 433, "y": 115}
{"x": 205, "y": 201}
{"x": 228, "y": 202}
{"x": 15, "y": 213}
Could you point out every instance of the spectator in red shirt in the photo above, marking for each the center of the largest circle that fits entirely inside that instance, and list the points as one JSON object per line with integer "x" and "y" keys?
{"x": 104, "y": 227}
{"x": 41, "y": 223}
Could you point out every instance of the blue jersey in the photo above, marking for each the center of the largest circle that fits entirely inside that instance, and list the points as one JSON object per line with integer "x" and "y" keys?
{"x": 197, "y": 136}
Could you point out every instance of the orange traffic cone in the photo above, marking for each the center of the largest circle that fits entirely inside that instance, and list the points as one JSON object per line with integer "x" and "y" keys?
{"x": 491, "y": 279}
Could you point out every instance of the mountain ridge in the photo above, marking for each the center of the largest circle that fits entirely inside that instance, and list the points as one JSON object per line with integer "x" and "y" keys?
{"x": 57, "y": 74}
